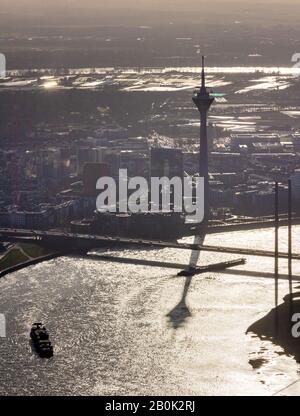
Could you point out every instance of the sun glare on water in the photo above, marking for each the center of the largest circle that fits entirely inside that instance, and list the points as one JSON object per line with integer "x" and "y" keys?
{"x": 50, "y": 84}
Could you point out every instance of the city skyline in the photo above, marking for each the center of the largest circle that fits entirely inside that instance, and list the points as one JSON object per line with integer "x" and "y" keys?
{"x": 149, "y": 200}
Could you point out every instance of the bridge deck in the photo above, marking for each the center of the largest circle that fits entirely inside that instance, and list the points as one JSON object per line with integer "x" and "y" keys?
{"x": 94, "y": 240}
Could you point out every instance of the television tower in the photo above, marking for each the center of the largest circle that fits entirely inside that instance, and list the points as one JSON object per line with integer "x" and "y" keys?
{"x": 203, "y": 100}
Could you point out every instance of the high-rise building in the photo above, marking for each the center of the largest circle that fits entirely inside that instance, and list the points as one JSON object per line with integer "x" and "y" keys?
{"x": 166, "y": 162}
{"x": 136, "y": 163}
{"x": 91, "y": 173}
{"x": 50, "y": 166}
{"x": 85, "y": 155}
{"x": 296, "y": 184}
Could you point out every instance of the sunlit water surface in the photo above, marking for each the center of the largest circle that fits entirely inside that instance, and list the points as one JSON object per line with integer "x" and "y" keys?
{"x": 120, "y": 328}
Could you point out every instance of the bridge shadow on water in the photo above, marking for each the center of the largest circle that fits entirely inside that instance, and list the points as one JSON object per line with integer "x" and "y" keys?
{"x": 277, "y": 325}
{"x": 135, "y": 261}
{"x": 265, "y": 328}
{"x": 181, "y": 312}
{"x": 178, "y": 315}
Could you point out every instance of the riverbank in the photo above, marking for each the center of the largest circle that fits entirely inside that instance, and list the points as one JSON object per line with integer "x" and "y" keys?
{"x": 24, "y": 255}
{"x": 248, "y": 226}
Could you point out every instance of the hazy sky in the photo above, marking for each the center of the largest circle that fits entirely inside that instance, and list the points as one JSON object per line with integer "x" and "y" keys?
{"x": 150, "y": 11}
{"x": 45, "y": 5}
{"x": 222, "y": 27}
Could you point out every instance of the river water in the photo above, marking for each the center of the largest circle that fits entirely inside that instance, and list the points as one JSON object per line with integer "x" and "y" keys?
{"x": 121, "y": 328}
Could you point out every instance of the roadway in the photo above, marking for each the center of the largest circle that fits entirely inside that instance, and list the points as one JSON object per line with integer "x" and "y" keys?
{"x": 94, "y": 241}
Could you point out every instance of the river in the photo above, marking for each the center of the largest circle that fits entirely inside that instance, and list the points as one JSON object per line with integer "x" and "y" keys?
{"x": 120, "y": 328}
